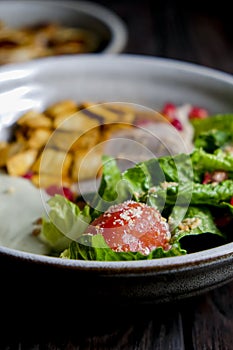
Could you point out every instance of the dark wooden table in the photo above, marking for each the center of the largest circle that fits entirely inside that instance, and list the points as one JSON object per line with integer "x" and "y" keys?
{"x": 199, "y": 32}
{"x": 201, "y": 323}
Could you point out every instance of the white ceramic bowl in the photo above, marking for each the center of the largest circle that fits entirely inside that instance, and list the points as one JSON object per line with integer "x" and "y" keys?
{"x": 147, "y": 81}
{"x": 85, "y": 14}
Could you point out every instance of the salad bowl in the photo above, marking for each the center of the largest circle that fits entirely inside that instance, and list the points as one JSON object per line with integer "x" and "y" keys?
{"x": 144, "y": 81}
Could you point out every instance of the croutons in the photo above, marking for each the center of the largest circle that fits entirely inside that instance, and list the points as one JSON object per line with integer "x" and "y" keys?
{"x": 64, "y": 143}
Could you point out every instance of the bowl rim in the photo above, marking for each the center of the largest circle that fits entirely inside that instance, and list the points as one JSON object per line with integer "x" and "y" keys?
{"x": 126, "y": 58}
{"x": 161, "y": 265}
{"x": 164, "y": 265}
{"x": 115, "y": 24}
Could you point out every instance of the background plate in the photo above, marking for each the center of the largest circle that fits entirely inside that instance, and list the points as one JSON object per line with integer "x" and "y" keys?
{"x": 85, "y": 14}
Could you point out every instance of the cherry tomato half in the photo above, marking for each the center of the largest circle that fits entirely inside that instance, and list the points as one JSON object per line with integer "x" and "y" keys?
{"x": 132, "y": 226}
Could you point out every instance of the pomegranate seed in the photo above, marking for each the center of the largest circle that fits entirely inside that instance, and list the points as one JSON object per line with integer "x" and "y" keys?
{"x": 217, "y": 176}
{"x": 177, "y": 124}
{"x": 207, "y": 178}
{"x": 231, "y": 201}
{"x": 64, "y": 191}
{"x": 28, "y": 175}
{"x": 197, "y": 112}
{"x": 169, "y": 110}
{"x": 68, "y": 194}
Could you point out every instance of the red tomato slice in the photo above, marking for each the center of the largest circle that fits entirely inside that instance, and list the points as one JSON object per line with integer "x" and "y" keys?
{"x": 132, "y": 226}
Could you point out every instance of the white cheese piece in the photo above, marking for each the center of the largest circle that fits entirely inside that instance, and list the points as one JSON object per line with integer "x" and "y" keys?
{"x": 21, "y": 204}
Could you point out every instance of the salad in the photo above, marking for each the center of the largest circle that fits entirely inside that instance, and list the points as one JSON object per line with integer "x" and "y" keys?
{"x": 162, "y": 207}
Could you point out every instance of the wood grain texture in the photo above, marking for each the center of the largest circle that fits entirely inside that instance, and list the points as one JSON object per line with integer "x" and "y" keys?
{"x": 194, "y": 31}
{"x": 152, "y": 327}
{"x": 213, "y": 320}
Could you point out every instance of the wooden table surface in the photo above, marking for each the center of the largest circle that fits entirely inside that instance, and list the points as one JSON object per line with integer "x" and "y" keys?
{"x": 198, "y": 32}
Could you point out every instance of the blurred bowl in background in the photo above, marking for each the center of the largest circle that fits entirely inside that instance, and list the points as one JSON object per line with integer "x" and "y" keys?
{"x": 33, "y": 29}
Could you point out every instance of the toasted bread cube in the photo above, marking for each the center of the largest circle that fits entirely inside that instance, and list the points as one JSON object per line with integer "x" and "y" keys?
{"x": 19, "y": 164}
{"x": 87, "y": 165}
{"x": 53, "y": 162}
{"x": 77, "y": 122}
{"x": 61, "y": 108}
{"x": 87, "y": 140}
{"x": 73, "y": 141}
{"x": 63, "y": 140}
{"x": 15, "y": 147}
{"x": 8, "y": 150}
{"x": 38, "y": 138}
{"x": 44, "y": 181}
{"x": 33, "y": 119}
{"x": 21, "y": 135}
{"x": 111, "y": 113}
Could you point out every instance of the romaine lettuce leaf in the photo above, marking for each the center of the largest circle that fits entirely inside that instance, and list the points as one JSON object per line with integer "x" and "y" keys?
{"x": 150, "y": 181}
{"x": 95, "y": 248}
{"x": 112, "y": 189}
{"x": 213, "y": 195}
{"x": 140, "y": 178}
{"x": 197, "y": 230}
{"x": 211, "y": 140}
{"x": 199, "y": 194}
{"x": 178, "y": 168}
{"x": 152, "y": 172}
{"x": 203, "y": 161}
{"x": 197, "y": 220}
{"x": 223, "y": 122}
{"x": 65, "y": 222}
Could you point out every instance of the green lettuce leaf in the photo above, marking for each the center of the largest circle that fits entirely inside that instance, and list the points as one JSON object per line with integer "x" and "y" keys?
{"x": 140, "y": 178}
{"x": 203, "y": 161}
{"x": 197, "y": 230}
{"x": 112, "y": 189}
{"x": 222, "y": 122}
{"x": 213, "y": 195}
{"x": 151, "y": 181}
{"x": 200, "y": 219}
{"x": 95, "y": 248}
{"x": 211, "y": 140}
{"x": 151, "y": 173}
{"x": 178, "y": 168}
{"x": 65, "y": 222}
{"x": 199, "y": 194}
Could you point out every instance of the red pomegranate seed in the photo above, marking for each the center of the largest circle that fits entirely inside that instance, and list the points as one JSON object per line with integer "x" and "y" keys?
{"x": 207, "y": 178}
{"x": 231, "y": 201}
{"x": 28, "y": 175}
{"x": 64, "y": 191}
{"x": 216, "y": 176}
{"x": 177, "y": 124}
{"x": 169, "y": 110}
{"x": 198, "y": 112}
